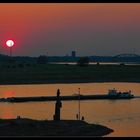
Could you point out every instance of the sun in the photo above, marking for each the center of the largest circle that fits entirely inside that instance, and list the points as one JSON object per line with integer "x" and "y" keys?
{"x": 9, "y": 43}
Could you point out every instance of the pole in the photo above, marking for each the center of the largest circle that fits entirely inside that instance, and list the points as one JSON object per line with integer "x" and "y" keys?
{"x": 10, "y": 51}
{"x": 79, "y": 104}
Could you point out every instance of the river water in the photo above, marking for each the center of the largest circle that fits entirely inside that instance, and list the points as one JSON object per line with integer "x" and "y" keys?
{"x": 123, "y": 116}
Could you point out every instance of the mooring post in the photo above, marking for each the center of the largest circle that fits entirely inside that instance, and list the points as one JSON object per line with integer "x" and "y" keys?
{"x": 58, "y": 106}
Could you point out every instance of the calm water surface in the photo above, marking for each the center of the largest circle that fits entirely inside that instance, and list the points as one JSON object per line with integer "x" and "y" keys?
{"x": 121, "y": 115}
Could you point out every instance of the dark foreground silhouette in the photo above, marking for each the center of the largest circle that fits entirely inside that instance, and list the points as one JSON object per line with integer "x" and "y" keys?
{"x": 29, "y": 127}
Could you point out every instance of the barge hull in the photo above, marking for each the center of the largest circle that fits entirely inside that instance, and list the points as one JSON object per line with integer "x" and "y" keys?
{"x": 65, "y": 98}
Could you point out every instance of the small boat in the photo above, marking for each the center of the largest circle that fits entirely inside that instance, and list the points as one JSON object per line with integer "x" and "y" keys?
{"x": 115, "y": 94}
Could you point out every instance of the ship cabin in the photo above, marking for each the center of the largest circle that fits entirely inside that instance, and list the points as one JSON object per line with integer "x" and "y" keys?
{"x": 112, "y": 92}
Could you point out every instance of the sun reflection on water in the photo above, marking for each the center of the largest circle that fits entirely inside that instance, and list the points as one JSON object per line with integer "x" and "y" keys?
{"x": 7, "y": 94}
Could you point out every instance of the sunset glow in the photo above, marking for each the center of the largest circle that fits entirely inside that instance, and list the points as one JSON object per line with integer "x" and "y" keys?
{"x": 87, "y": 28}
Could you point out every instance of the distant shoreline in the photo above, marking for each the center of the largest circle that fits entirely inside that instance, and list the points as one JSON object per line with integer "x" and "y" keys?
{"x": 64, "y": 82}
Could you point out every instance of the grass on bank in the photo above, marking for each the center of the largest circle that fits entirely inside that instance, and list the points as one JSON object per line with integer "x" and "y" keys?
{"x": 61, "y": 73}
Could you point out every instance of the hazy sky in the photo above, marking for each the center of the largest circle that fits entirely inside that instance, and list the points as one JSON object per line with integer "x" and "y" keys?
{"x": 58, "y": 29}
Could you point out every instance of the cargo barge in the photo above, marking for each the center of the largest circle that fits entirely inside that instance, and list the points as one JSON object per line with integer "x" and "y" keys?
{"x": 112, "y": 94}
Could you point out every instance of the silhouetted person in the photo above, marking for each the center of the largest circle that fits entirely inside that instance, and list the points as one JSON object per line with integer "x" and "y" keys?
{"x": 18, "y": 117}
{"x": 77, "y": 116}
{"x": 58, "y": 105}
{"x": 82, "y": 118}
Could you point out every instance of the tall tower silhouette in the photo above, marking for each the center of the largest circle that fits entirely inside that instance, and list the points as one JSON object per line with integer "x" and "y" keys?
{"x": 58, "y": 106}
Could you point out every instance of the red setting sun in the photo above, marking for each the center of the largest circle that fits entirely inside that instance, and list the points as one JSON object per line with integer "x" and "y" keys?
{"x": 9, "y": 43}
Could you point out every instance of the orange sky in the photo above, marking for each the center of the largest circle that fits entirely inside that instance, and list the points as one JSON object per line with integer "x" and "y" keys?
{"x": 40, "y": 28}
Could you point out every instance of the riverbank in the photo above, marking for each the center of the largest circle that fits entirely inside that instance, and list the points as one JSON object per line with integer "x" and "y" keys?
{"x": 29, "y": 127}
{"x": 61, "y": 73}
